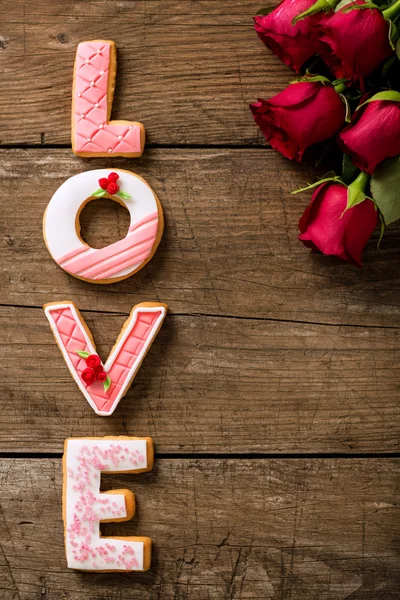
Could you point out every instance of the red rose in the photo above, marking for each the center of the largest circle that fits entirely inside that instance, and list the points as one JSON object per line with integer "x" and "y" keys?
{"x": 101, "y": 376}
{"x": 113, "y": 176}
{"x": 353, "y": 43}
{"x": 103, "y": 183}
{"x": 112, "y": 188}
{"x": 302, "y": 115}
{"x": 373, "y": 134}
{"x": 325, "y": 228}
{"x": 88, "y": 376}
{"x": 93, "y": 361}
{"x": 294, "y": 44}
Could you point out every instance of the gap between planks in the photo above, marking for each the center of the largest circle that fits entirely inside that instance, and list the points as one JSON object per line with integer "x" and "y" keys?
{"x": 228, "y": 456}
{"x": 216, "y": 316}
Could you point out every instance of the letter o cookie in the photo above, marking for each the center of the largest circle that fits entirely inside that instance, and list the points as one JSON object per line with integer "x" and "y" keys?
{"x": 61, "y": 228}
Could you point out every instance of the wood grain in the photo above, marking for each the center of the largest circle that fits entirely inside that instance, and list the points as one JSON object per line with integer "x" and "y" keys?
{"x": 186, "y": 69}
{"x": 222, "y": 529}
{"x": 230, "y": 245}
{"x": 208, "y": 384}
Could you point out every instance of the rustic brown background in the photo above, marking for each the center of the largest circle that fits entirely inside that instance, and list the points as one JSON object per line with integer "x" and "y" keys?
{"x": 272, "y": 389}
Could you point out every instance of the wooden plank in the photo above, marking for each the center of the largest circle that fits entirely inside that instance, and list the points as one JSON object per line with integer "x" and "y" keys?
{"x": 211, "y": 385}
{"x": 186, "y": 69}
{"x": 229, "y": 248}
{"x": 222, "y": 529}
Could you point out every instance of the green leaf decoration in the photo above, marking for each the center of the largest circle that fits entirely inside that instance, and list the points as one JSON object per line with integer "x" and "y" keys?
{"x": 349, "y": 170}
{"x": 398, "y": 49}
{"x": 82, "y": 354}
{"x": 106, "y": 383}
{"x": 385, "y": 189}
{"x": 123, "y": 195}
{"x": 99, "y": 193}
{"x": 316, "y": 184}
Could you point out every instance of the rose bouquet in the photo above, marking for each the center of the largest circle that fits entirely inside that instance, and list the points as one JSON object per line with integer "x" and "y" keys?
{"x": 347, "y": 55}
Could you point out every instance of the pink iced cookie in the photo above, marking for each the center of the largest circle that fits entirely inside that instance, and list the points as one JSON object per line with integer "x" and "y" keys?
{"x": 61, "y": 228}
{"x": 93, "y": 134}
{"x": 85, "y": 507}
{"x": 104, "y": 385}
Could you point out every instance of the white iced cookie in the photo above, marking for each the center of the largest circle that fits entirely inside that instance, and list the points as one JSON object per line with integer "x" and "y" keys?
{"x": 85, "y": 507}
{"x": 61, "y": 228}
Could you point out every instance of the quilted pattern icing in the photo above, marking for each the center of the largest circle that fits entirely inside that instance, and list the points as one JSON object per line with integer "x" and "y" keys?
{"x": 73, "y": 339}
{"x": 93, "y": 132}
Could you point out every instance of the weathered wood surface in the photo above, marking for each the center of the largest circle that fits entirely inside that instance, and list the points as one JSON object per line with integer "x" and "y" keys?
{"x": 230, "y": 245}
{"x": 187, "y": 70}
{"x": 211, "y": 385}
{"x": 222, "y": 529}
{"x": 266, "y": 349}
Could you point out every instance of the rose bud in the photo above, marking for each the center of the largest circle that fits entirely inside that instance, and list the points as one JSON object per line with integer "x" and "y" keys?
{"x": 102, "y": 376}
{"x": 113, "y": 176}
{"x": 303, "y": 114}
{"x": 293, "y": 44}
{"x": 112, "y": 188}
{"x": 93, "y": 361}
{"x": 374, "y": 133}
{"x": 88, "y": 376}
{"x": 326, "y": 226}
{"x": 353, "y": 42}
{"x": 103, "y": 183}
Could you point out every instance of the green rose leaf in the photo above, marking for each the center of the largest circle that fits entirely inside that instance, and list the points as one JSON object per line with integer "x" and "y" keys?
{"x": 98, "y": 193}
{"x": 398, "y": 49}
{"x": 123, "y": 194}
{"x": 82, "y": 354}
{"x": 385, "y": 189}
{"x": 106, "y": 383}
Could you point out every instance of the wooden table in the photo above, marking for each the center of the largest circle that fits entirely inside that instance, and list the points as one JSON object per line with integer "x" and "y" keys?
{"x": 272, "y": 389}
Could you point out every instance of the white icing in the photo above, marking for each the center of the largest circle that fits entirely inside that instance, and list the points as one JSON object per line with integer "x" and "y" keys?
{"x": 60, "y": 217}
{"x": 110, "y": 360}
{"x": 103, "y": 507}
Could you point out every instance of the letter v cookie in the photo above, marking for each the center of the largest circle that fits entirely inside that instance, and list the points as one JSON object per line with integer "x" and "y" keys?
{"x": 104, "y": 386}
{"x": 93, "y": 134}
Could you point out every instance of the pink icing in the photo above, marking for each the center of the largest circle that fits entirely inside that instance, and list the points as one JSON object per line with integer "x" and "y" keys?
{"x": 72, "y": 338}
{"x": 109, "y": 261}
{"x": 93, "y": 133}
{"x": 86, "y": 507}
